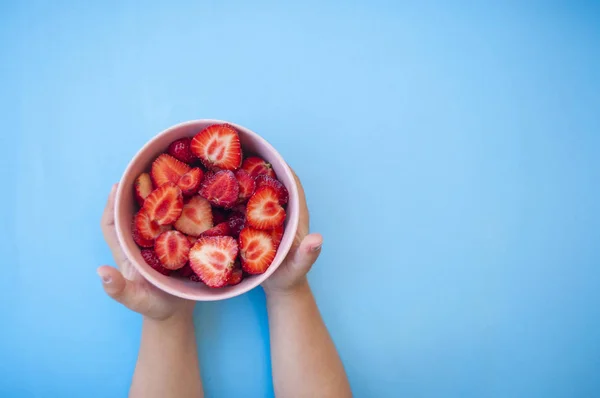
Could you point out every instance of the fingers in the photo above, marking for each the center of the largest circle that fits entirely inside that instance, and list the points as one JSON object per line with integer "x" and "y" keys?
{"x": 123, "y": 290}
{"x": 308, "y": 252}
{"x": 108, "y": 227}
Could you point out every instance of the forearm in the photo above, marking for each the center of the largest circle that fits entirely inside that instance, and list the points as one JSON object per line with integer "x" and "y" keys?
{"x": 167, "y": 365}
{"x": 304, "y": 359}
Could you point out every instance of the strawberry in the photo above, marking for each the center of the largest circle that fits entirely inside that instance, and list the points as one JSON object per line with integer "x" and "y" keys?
{"x": 212, "y": 259}
{"x": 139, "y": 239}
{"x": 256, "y": 166}
{"x": 152, "y": 260}
{"x": 191, "y": 239}
{"x": 173, "y": 249}
{"x": 186, "y": 271}
{"x": 237, "y": 274}
{"x": 221, "y": 229}
{"x": 180, "y": 150}
{"x": 189, "y": 183}
{"x": 143, "y": 187}
{"x": 146, "y": 229}
{"x": 196, "y": 216}
{"x": 277, "y": 235}
{"x": 241, "y": 208}
{"x": 221, "y": 189}
{"x": 218, "y": 215}
{"x": 263, "y": 210}
{"x": 167, "y": 169}
{"x": 218, "y": 146}
{"x": 282, "y": 192}
{"x": 246, "y": 185}
{"x": 164, "y": 204}
{"x": 257, "y": 250}
{"x": 236, "y": 222}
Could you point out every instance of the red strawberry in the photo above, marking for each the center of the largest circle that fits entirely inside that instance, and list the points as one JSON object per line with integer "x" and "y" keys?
{"x": 236, "y": 222}
{"x": 282, "y": 192}
{"x": 221, "y": 189}
{"x": 218, "y": 146}
{"x": 167, "y": 169}
{"x": 257, "y": 250}
{"x": 143, "y": 187}
{"x": 212, "y": 259}
{"x": 256, "y": 166}
{"x": 236, "y": 275}
{"x": 221, "y": 229}
{"x": 191, "y": 239}
{"x": 180, "y": 150}
{"x": 196, "y": 216}
{"x": 263, "y": 210}
{"x": 152, "y": 260}
{"x": 164, "y": 204}
{"x": 246, "y": 185}
{"x": 146, "y": 229}
{"x": 186, "y": 271}
{"x": 277, "y": 235}
{"x": 173, "y": 249}
{"x": 219, "y": 216}
{"x": 189, "y": 183}
{"x": 241, "y": 208}
{"x": 139, "y": 239}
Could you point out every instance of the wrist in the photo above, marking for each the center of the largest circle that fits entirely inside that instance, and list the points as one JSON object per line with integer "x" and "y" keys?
{"x": 177, "y": 318}
{"x": 299, "y": 288}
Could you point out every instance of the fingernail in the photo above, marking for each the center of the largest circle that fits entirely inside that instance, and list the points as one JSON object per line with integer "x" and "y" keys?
{"x": 106, "y": 279}
{"x": 317, "y": 248}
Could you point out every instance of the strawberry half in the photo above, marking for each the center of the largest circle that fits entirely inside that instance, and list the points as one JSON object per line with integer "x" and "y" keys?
{"x": 257, "y": 250}
{"x": 152, "y": 260}
{"x": 218, "y": 146}
{"x": 282, "y": 192}
{"x": 180, "y": 150}
{"x": 142, "y": 187}
{"x": 246, "y": 185}
{"x": 196, "y": 216}
{"x": 164, "y": 204}
{"x": 237, "y": 274}
{"x": 191, "y": 239}
{"x": 263, "y": 210}
{"x": 212, "y": 259}
{"x": 167, "y": 169}
{"x": 277, "y": 235}
{"x": 172, "y": 249}
{"x": 221, "y": 229}
{"x": 256, "y": 166}
{"x": 221, "y": 188}
{"x": 236, "y": 222}
{"x": 146, "y": 229}
{"x": 189, "y": 183}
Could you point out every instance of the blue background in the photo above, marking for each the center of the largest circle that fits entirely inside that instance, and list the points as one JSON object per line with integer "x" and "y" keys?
{"x": 450, "y": 154}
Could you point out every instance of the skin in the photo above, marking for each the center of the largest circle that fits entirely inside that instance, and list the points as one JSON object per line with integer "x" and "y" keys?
{"x": 304, "y": 359}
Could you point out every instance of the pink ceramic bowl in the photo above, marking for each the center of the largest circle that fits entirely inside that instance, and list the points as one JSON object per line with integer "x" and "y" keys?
{"x": 125, "y": 208}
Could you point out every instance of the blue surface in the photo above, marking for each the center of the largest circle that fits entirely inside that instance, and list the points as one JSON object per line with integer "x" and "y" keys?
{"x": 450, "y": 155}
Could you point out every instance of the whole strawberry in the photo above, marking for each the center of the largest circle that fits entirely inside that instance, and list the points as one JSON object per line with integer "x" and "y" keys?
{"x": 180, "y": 150}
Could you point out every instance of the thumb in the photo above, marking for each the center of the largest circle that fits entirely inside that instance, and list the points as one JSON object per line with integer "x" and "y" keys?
{"x": 122, "y": 290}
{"x": 308, "y": 252}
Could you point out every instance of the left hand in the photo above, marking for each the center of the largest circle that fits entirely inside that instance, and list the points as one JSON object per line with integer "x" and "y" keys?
{"x": 127, "y": 286}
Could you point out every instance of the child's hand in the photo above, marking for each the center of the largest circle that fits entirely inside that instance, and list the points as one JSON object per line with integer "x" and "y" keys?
{"x": 303, "y": 254}
{"x": 128, "y": 287}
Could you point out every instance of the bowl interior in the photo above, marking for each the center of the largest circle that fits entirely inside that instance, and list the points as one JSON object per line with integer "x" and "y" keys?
{"x": 125, "y": 208}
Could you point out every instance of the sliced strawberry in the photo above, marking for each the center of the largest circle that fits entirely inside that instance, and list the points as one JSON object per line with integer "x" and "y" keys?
{"x": 221, "y": 229}
{"x": 196, "y": 216}
{"x": 152, "y": 260}
{"x": 189, "y": 183}
{"x": 236, "y": 222}
{"x": 237, "y": 274}
{"x": 147, "y": 229}
{"x": 180, "y": 150}
{"x": 246, "y": 185}
{"x": 221, "y": 189}
{"x": 164, "y": 204}
{"x": 139, "y": 239}
{"x": 212, "y": 259}
{"x": 218, "y": 146}
{"x": 282, "y": 192}
{"x": 191, "y": 239}
{"x": 173, "y": 249}
{"x": 167, "y": 169}
{"x": 241, "y": 208}
{"x": 257, "y": 250}
{"x": 263, "y": 210}
{"x": 277, "y": 235}
{"x": 256, "y": 166}
{"x": 186, "y": 271}
{"x": 143, "y": 187}
{"x": 219, "y": 215}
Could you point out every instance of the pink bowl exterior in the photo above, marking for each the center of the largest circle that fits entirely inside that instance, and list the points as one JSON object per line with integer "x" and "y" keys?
{"x": 125, "y": 208}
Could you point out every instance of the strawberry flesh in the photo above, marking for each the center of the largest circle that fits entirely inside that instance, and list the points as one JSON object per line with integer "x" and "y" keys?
{"x": 152, "y": 260}
{"x": 196, "y": 216}
{"x": 189, "y": 183}
{"x": 167, "y": 169}
{"x": 236, "y": 275}
{"x": 142, "y": 187}
{"x": 257, "y": 250}
{"x": 263, "y": 210}
{"x": 246, "y": 185}
{"x": 164, "y": 204}
{"x": 218, "y": 146}
{"x": 180, "y": 150}
{"x": 256, "y": 166}
{"x": 277, "y": 235}
{"x": 172, "y": 249}
{"x": 221, "y": 229}
{"x": 221, "y": 188}
{"x": 212, "y": 259}
{"x": 282, "y": 192}
{"x": 146, "y": 229}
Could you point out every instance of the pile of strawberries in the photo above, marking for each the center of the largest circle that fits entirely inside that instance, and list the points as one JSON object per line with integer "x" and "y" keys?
{"x": 208, "y": 214}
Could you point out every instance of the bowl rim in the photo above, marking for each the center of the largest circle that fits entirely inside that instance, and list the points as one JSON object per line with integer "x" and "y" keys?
{"x": 292, "y": 225}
